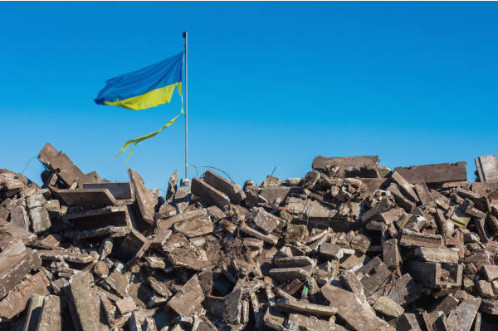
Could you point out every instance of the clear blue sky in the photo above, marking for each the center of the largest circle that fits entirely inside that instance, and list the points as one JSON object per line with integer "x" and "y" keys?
{"x": 270, "y": 84}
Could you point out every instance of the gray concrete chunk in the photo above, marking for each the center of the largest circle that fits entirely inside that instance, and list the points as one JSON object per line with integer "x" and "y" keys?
{"x": 232, "y": 190}
{"x": 209, "y": 194}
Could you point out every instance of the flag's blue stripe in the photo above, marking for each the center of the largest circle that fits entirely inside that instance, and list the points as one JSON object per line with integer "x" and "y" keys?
{"x": 139, "y": 82}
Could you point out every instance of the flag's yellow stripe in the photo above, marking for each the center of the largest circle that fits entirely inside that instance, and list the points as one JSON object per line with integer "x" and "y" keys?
{"x": 150, "y": 99}
{"x": 138, "y": 140}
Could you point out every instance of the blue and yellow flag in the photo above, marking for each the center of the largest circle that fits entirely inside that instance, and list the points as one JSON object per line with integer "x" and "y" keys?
{"x": 145, "y": 88}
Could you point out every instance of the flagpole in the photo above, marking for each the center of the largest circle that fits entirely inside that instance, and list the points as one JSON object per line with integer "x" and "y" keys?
{"x": 185, "y": 35}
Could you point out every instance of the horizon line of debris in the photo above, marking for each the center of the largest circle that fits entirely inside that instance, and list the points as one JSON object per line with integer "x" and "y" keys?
{"x": 350, "y": 246}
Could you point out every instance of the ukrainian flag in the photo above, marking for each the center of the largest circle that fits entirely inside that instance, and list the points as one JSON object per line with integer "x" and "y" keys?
{"x": 145, "y": 88}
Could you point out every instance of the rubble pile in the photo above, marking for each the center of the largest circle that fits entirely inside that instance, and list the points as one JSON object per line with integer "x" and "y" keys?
{"x": 351, "y": 246}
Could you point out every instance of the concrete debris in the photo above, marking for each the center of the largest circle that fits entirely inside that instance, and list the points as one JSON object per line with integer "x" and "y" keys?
{"x": 435, "y": 174}
{"x": 487, "y": 168}
{"x": 350, "y": 246}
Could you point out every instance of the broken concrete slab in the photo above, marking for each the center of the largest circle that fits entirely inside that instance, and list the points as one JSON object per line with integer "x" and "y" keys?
{"x": 305, "y": 307}
{"x": 391, "y": 255}
{"x": 94, "y": 219}
{"x": 487, "y": 168}
{"x": 50, "y": 315}
{"x": 232, "y": 190}
{"x": 263, "y": 220}
{"x": 434, "y": 275}
{"x": 14, "y": 268}
{"x": 187, "y": 301}
{"x": 33, "y": 312}
{"x": 15, "y": 302}
{"x": 195, "y": 227}
{"x": 126, "y": 305}
{"x": 405, "y": 187}
{"x": 400, "y": 198}
{"x": 87, "y": 198}
{"x": 407, "y": 322}
{"x": 288, "y": 274}
{"x": 355, "y": 313}
{"x": 406, "y": 290}
{"x": 303, "y": 322}
{"x": 209, "y": 194}
{"x": 434, "y": 174}
{"x": 132, "y": 248}
{"x": 119, "y": 190}
{"x": 414, "y": 239}
{"x": 144, "y": 200}
{"x": 490, "y": 272}
{"x": 66, "y": 170}
{"x": 428, "y": 254}
{"x": 268, "y": 238}
{"x": 388, "y": 307}
{"x": 358, "y": 166}
{"x": 462, "y": 317}
{"x": 374, "y": 274}
{"x": 85, "y": 303}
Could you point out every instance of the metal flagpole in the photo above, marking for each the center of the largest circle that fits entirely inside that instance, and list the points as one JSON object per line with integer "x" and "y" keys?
{"x": 185, "y": 35}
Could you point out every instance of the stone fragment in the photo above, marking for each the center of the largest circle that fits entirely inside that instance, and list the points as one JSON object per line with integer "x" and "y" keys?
{"x": 400, "y": 198}
{"x": 187, "y": 301}
{"x": 303, "y": 322}
{"x": 434, "y": 275}
{"x": 20, "y": 217}
{"x": 391, "y": 255}
{"x": 209, "y": 194}
{"x": 462, "y": 317}
{"x": 423, "y": 193}
{"x": 118, "y": 283}
{"x": 195, "y": 227}
{"x": 144, "y": 200}
{"x": 407, "y": 322}
{"x": 406, "y": 290}
{"x": 126, "y": 305}
{"x": 359, "y": 166}
{"x": 391, "y": 215}
{"x": 59, "y": 163}
{"x": 268, "y": 238}
{"x": 428, "y": 254}
{"x": 414, "y": 239}
{"x": 295, "y": 261}
{"x": 50, "y": 315}
{"x": 388, "y": 307}
{"x": 405, "y": 187}
{"x": 15, "y": 262}
{"x": 119, "y": 190}
{"x": 490, "y": 272}
{"x": 263, "y": 220}
{"x": 306, "y": 308}
{"x": 489, "y": 307}
{"x": 108, "y": 220}
{"x": 434, "y": 174}
{"x": 487, "y": 168}
{"x": 87, "y": 198}
{"x": 375, "y": 273}
{"x": 357, "y": 314}
{"x": 85, "y": 303}
{"x": 132, "y": 248}
{"x": 15, "y": 302}
{"x": 33, "y": 312}
{"x": 278, "y": 194}
{"x": 166, "y": 224}
{"x": 232, "y": 190}
{"x": 288, "y": 274}
{"x": 101, "y": 269}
